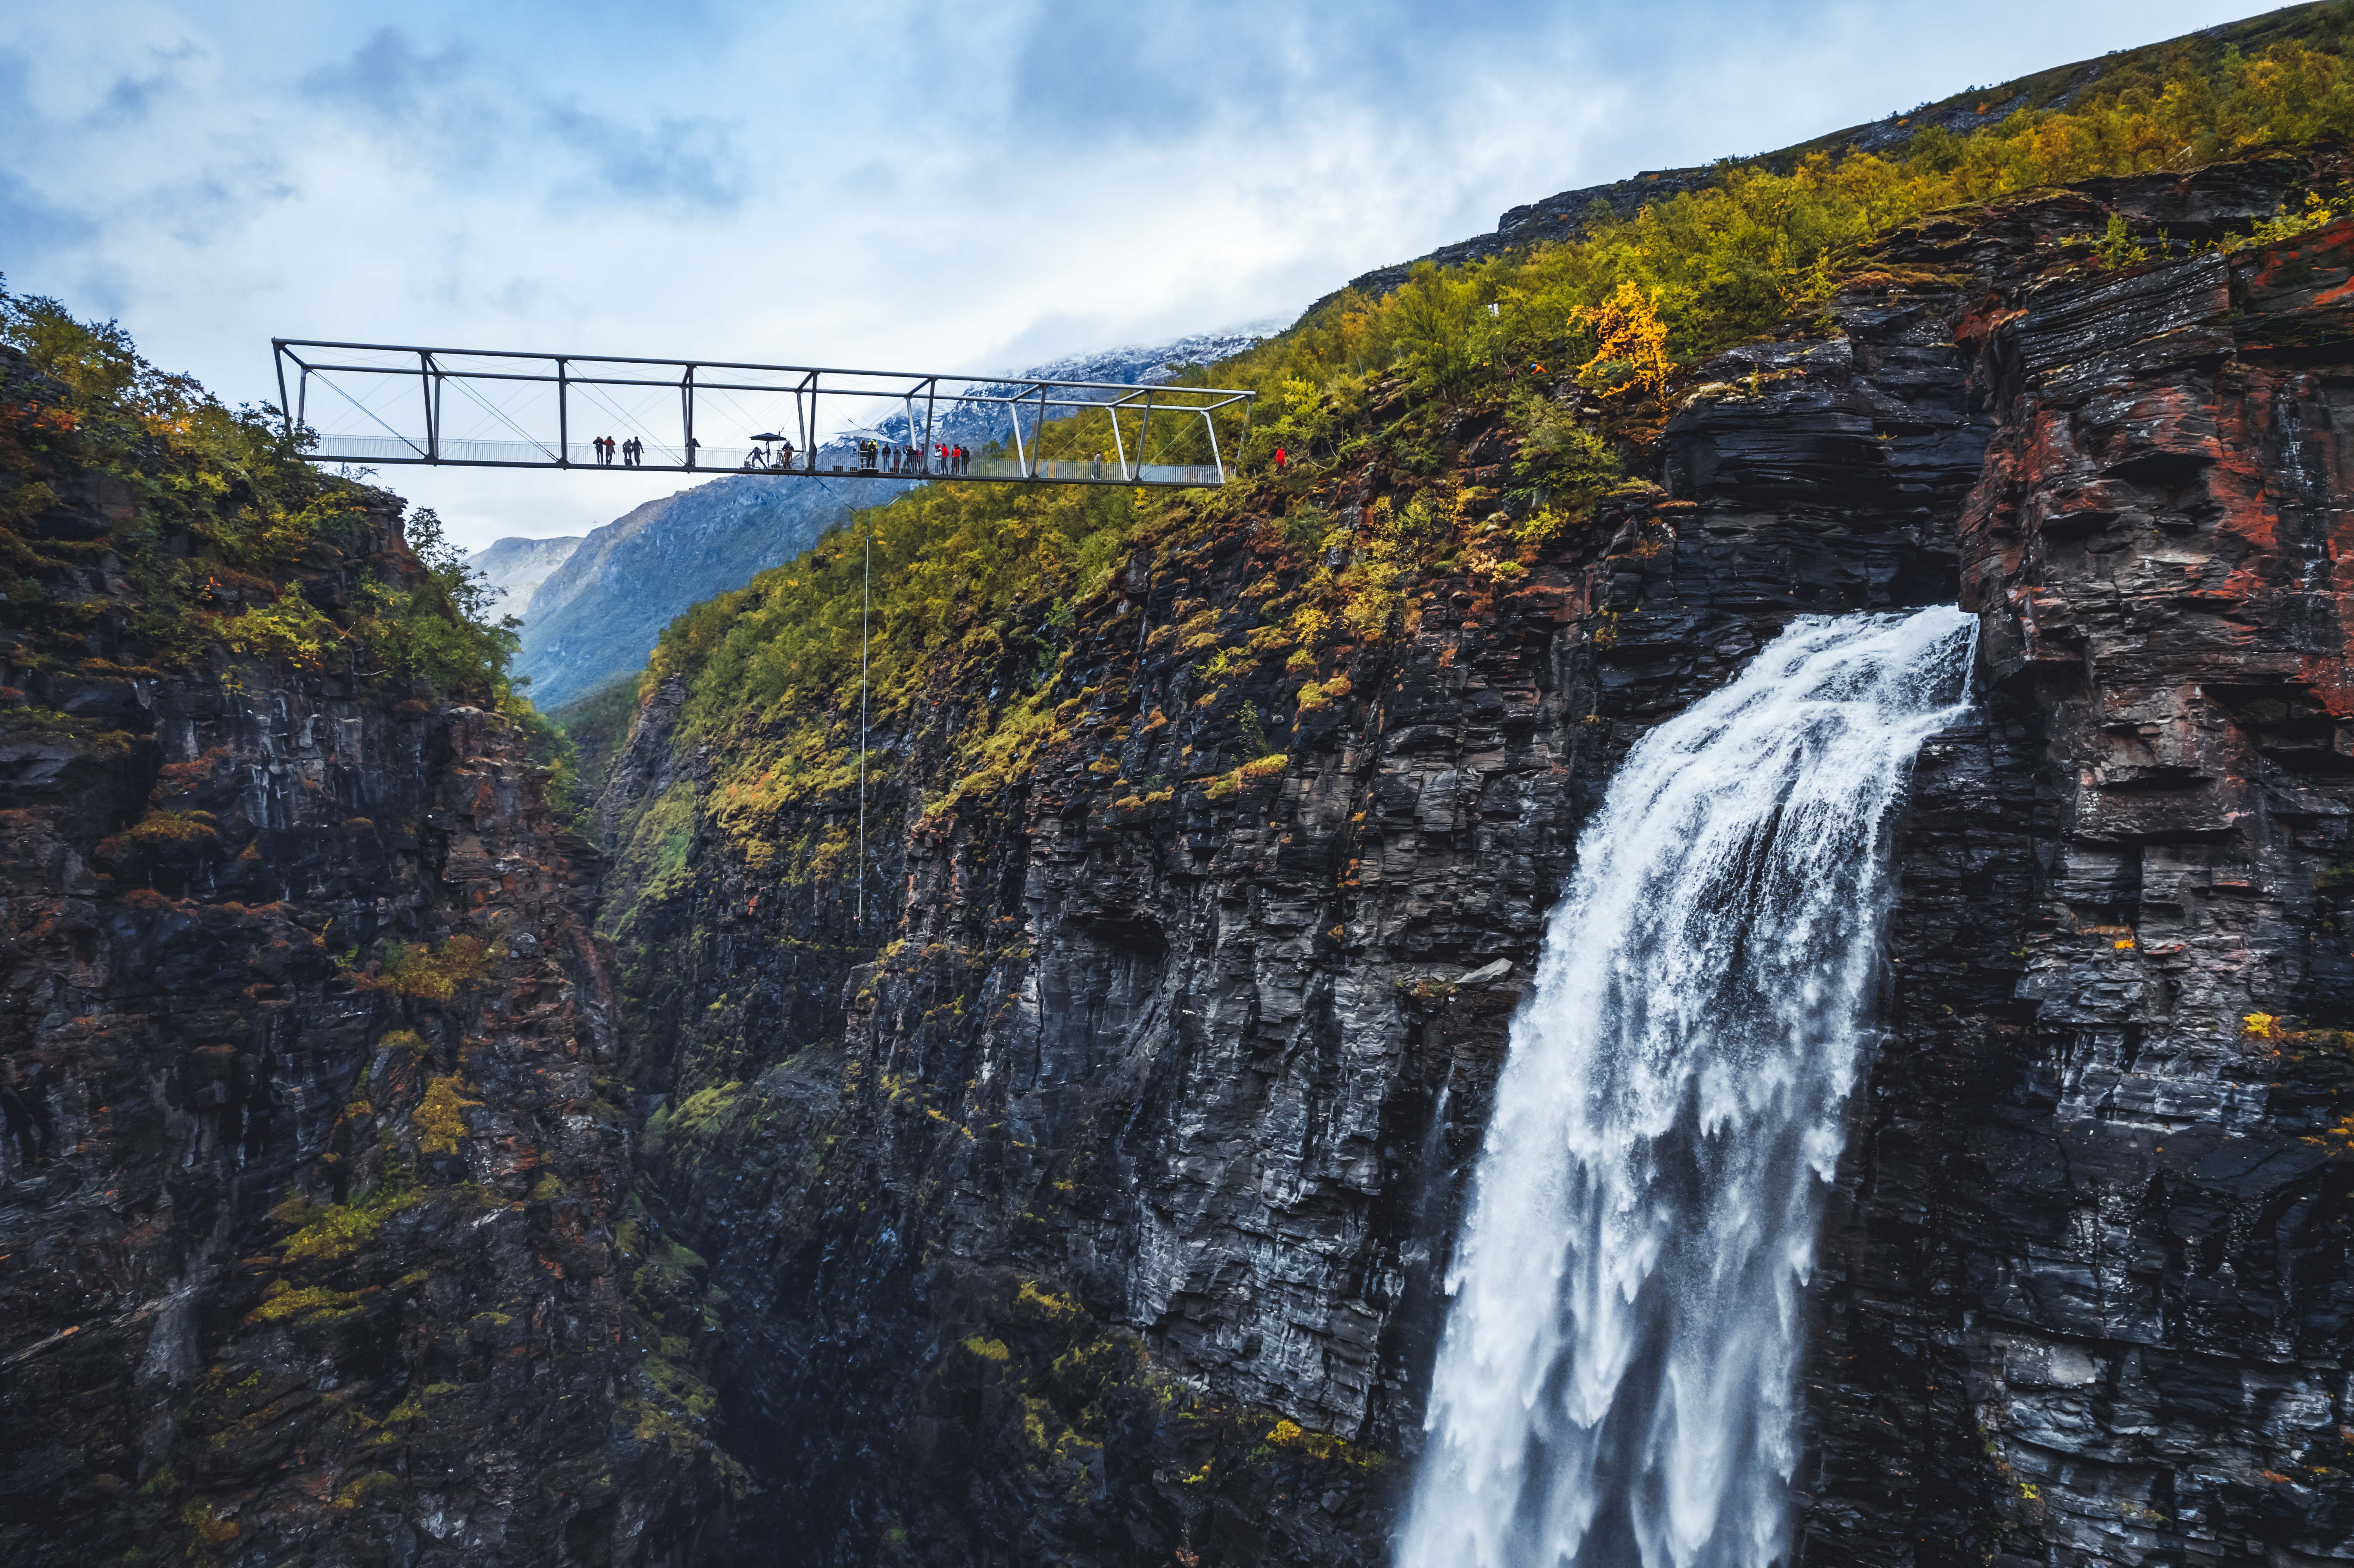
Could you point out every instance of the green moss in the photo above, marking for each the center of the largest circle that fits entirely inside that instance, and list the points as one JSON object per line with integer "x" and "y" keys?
{"x": 695, "y": 1112}
{"x": 986, "y": 1349}
{"x": 1288, "y": 1436}
{"x": 650, "y": 863}
{"x": 418, "y": 968}
{"x": 440, "y": 1117}
{"x": 341, "y": 1230}
{"x": 204, "y": 1530}
{"x": 309, "y": 1308}
{"x": 358, "y": 1491}
{"x": 1048, "y": 1306}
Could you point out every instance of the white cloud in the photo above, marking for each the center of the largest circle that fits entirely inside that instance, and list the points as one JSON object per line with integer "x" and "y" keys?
{"x": 911, "y": 184}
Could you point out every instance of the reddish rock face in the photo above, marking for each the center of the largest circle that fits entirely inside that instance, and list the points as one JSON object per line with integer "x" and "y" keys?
{"x": 2098, "y": 1201}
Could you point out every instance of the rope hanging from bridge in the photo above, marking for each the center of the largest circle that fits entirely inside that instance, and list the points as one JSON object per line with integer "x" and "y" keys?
{"x": 866, "y": 592}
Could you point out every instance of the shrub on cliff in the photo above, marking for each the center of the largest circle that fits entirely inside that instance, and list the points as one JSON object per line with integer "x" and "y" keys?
{"x": 226, "y": 537}
{"x": 1769, "y": 236}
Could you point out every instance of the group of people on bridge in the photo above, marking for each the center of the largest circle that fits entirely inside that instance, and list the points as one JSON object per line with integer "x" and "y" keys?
{"x": 873, "y": 457}
{"x": 883, "y": 457}
{"x": 632, "y": 451}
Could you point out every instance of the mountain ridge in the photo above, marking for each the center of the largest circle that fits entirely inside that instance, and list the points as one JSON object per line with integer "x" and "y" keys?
{"x": 1566, "y": 214}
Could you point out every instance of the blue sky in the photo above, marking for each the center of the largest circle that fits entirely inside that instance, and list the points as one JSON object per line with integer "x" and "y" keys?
{"x": 915, "y": 186}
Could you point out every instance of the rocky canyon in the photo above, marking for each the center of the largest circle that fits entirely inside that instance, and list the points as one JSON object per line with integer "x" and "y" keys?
{"x": 1043, "y": 1141}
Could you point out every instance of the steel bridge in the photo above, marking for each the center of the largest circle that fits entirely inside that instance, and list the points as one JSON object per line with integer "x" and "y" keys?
{"x": 390, "y": 403}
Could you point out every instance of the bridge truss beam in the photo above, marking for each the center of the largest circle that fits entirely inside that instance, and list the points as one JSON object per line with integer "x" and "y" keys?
{"x": 393, "y": 403}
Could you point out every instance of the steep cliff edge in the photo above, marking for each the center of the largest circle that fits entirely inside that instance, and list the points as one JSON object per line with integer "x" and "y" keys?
{"x": 309, "y": 1199}
{"x": 1079, "y": 1184}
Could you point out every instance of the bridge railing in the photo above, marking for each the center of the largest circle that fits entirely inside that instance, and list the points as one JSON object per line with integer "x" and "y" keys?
{"x": 385, "y": 403}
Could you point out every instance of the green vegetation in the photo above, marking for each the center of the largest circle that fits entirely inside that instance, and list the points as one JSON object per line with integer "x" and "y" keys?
{"x": 692, "y": 1115}
{"x": 440, "y": 1117}
{"x": 669, "y": 1308}
{"x": 419, "y": 969}
{"x": 1572, "y": 349}
{"x": 337, "y": 1231}
{"x": 225, "y": 538}
{"x": 598, "y": 727}
{"x": 357, "y": 1492}
{"x": 309, "y": 1307}
{"x": 652, "y": 861}
{"x": 1729, "y": 261}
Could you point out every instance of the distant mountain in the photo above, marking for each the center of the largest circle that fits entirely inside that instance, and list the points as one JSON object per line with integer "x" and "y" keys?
{"x": 592, "y": 612}
{"x": 517, "y": 566}
{"x": 596, "y": 616}
{"x": 975, "y": 425}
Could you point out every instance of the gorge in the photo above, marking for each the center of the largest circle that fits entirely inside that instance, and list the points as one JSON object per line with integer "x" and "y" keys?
{"x": 406, "y": 1165}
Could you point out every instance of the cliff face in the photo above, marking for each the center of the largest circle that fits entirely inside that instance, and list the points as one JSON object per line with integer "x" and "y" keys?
{"x": 1082, "y": 1199}
{"x": 2099, "y": 1208}
{"x": 302, "y": 1258}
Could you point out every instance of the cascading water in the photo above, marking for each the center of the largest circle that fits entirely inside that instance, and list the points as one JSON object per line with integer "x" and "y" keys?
{"x": 1617, "y": 1383}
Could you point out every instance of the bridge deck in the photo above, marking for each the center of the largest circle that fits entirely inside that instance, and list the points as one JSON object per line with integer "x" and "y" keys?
{"x": 464, "y": 453}
{"x": 386, "y": 403}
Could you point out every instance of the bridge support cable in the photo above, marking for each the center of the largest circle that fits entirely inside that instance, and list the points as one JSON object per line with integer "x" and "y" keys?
{"x": 682, "y": 415}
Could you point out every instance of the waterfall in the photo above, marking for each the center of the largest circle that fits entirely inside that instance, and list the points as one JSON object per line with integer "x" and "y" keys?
{"x": 1617, "y": 1380}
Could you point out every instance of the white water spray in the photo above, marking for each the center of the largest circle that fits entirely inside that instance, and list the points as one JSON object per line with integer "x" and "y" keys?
{"x": 1617, "y": 1380}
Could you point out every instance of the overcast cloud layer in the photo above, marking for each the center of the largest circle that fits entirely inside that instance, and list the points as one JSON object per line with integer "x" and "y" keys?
{"x": 904, "y": 184}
